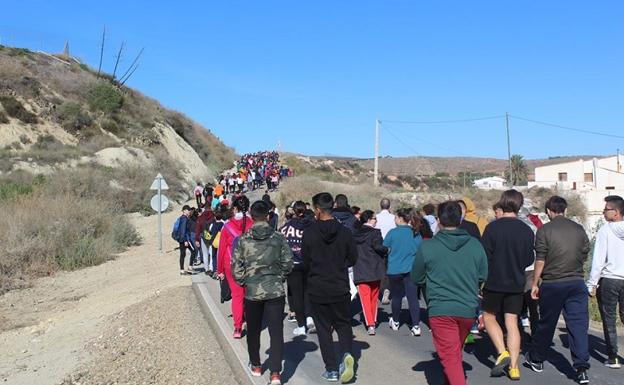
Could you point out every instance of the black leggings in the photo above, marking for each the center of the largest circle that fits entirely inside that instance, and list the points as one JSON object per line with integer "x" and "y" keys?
{"x": 183, "y": 255}
{"x": 298, "y": 301}
{"x": 273, "y": 311}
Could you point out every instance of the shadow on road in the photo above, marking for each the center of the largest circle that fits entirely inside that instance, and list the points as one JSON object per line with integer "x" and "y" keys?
{"x": 433, "y": 371}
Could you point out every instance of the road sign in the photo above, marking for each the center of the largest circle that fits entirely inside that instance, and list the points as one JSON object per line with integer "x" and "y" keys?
{"x": 159, "y": 179}
{"x": 164, "y": 203}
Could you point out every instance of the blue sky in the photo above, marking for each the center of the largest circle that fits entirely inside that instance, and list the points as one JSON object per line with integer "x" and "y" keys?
{"x": 316, "y": 75}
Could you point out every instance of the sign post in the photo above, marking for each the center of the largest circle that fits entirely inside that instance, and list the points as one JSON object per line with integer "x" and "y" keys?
{"x": 159, "y": 203}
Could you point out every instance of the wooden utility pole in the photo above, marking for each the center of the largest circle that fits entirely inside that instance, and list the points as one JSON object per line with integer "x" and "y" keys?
{"x": 101, "y": 51}
{"x": 376, "y": 167}
{"x": 511, "y": 179}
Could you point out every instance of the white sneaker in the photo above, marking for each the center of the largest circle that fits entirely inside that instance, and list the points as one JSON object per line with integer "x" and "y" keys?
{"x": 525, "y": 322}
{"x": 299, "y": 331}
{"x": 393, "y": 325}
{"x": 385, "y": 299}
{"x": 310, "y": 325}
{"x": 416, "y": 331}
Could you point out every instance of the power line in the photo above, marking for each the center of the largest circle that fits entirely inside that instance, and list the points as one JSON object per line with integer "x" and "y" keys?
{"x": 400, "y": 140}
{"x": 444, "y": 121}
{"x": 567, "y": 128}
{"x": 434, "y": 145}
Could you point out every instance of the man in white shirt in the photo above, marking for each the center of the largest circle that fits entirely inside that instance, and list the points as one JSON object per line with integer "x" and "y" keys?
{"x": 607, "y": 273}
{"x": 385, "y": 223}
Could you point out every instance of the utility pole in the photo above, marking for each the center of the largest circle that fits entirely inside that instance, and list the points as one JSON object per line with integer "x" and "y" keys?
{"x": 101, "y": 51}
{"x": 509, "y": 150}
{"x": 618, "y": 161}
{"x": 376, "y": 169}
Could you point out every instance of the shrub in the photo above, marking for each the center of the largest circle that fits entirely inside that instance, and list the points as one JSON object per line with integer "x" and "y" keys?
{"x": 15, "y": 109}
{"x": 72, "y": 117}
{"x": 104, "y": 97}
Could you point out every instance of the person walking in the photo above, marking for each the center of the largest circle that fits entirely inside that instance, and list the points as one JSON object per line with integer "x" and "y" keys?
{"x": 451, "y": 267}
{"x": 182, "y": 234}
{"x": 607, "y": 274}
{"x": 260, "y": 264}
{"x": 385, "y": 223}
{"x": 328, "y": 250}
{"x": 403, "y": 242}
{"x": 198, "y": 191}
{"x": 297, "y": 280}
{"x": 202, "y": 238}
{"x": 342, "y": 212}
{"x": 508, "y": 243}
{"x": 561, "y": 248}
{"x": 471, "y": 215}
{"x": 370, "y": 267}
{"x": 233, "y": 228}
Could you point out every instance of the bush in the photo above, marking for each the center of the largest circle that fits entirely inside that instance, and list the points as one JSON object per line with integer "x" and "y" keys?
{"x": 72, "y": 117}
{"x": 104, "y": 97}
{"x": 15, "y": 109}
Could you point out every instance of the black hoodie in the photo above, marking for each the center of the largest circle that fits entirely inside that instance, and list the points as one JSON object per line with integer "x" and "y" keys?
{"x": 328, "y": 250}
{"x": 345, "y": 217}
{"x": 371, "y": 264}
{"x": 293, "y": 231}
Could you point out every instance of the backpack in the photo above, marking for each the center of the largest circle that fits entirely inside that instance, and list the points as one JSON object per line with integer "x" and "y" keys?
{"x": 215, "y": 241}
{"x": 175, "y": 230}
{"x": 206, "y": 232}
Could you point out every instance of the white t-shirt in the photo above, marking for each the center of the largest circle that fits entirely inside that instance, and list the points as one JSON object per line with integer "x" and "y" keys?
{"x": 385, "y": 222}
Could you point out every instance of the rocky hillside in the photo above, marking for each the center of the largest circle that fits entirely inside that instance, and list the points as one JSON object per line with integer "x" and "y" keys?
{"x": 57, "y": 114}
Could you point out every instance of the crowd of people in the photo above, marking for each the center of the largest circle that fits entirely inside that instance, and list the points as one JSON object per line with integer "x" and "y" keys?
{"x": 475, "y": 276}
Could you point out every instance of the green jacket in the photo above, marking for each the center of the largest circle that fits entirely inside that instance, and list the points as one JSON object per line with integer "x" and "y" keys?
{"x": 261, "y": 261}
{"x": 451, "y": 266}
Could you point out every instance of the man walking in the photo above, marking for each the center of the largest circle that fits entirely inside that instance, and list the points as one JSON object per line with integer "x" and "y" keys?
{"x": 561, "y": 249}
{"x": 607, "y": 273}
{"x": 385, "y": 223}
{"x": 508, "y": 243}
{"x": 328, "y": 250}
{"x": 451, "y": 266}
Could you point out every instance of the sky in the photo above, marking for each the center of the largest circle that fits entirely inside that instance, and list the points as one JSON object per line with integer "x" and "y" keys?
{"x": 312, "y": 77}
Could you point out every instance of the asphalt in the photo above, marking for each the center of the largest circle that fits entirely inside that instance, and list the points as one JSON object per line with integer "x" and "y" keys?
{"x": 391, "y": 357}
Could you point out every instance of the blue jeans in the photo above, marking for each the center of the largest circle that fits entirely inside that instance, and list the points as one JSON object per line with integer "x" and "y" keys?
{"x": 571, "y": 298}
{"x": 402, "y": 286}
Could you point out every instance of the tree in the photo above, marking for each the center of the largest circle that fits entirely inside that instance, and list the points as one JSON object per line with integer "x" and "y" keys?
{"x": 520, "y": 172}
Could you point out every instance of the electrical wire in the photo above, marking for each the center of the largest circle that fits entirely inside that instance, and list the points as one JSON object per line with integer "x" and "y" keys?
{"x": 444, "y": 121}
{"x": 567, "y": 128}
{"x": 428, "y": 142}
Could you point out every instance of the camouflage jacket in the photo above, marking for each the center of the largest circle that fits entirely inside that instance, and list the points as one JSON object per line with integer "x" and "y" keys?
{"x": 261, "y": 261}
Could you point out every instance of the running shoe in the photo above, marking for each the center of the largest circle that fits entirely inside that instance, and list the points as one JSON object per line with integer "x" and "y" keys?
{"x": 514, "y": 374}
{"x": 415, "y": 331}
{"x": 310, "y": 325}
{"x": 346, "y": 368}
{"x": 393, "y": 325}
{"x": 469, "y": 340}
{"x": 238, "y": 333}
{"x": 331, "y": 376}
{"x": 276, "y": 379}
{"x": 385, "y": 299}
{"x": 256, "y": 371}
{"x": 582, "y": 377}
{"x": 613, "y": 363}
{"x": 525, "y": 322}
{"x": 475, "y": 328}
{"x": 371, "y": 331}
{"x": 535, "y": 366}
{"x": 299, "y": 331}
{"x": 291, "y": 317}
{"x": 502, "y": 362}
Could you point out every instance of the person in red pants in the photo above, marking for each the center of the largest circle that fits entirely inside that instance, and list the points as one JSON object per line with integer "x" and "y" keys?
{"x": 370, "y": 267}
{"x": 234, "y": 227}
{"x": 451, "y": 266}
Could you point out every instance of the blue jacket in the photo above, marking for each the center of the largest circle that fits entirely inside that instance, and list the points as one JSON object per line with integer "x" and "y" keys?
{"x": 403, "y": 246}
{"x": 184, "y": 230}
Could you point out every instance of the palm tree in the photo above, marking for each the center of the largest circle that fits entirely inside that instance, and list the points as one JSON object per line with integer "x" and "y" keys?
{"x": 520, "y": 172}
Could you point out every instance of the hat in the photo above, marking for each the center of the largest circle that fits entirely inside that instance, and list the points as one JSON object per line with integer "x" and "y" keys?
{"x": 186, "y": 208}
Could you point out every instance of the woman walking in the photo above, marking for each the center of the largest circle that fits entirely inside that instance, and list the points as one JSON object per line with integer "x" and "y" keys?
{"x": 403, "y": 242}
{"x": 233, "y": 228}
{"x": 370, "y": 267}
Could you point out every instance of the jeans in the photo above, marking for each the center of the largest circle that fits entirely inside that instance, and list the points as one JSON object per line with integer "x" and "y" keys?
{"x": 571, "y": 297}
{"x": 402, "y": 286}
{"x": 337, "y": 316}
{"x": 273, "y": 311}
{"x": 610, "y": 293}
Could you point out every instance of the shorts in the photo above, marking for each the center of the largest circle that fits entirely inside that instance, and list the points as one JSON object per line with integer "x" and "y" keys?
{"x": 496, "y": 302}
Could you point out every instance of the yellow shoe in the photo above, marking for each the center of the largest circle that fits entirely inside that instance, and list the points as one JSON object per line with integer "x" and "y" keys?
{"x": 514, "y": 374}
{"x": 502, "y": 362}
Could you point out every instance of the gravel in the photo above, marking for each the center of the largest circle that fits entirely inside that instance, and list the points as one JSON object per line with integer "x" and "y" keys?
{"x": 162, "y": 340}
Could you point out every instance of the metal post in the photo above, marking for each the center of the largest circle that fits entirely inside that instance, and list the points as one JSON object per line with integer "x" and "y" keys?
{"x": 376, "y": 168}
{"x": 511, "y": 180}
{"x": 160, "y": 248}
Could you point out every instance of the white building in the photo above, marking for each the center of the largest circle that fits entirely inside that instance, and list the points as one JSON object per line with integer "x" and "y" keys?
{"x": 490, "y": 183}
{"x": 592, "y": 179}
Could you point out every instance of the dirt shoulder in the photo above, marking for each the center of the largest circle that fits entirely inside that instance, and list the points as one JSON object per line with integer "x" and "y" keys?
{"x": 45, "y": 328}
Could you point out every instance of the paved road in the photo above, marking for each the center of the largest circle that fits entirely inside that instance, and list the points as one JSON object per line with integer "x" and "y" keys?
{"x": 399, "y": 358}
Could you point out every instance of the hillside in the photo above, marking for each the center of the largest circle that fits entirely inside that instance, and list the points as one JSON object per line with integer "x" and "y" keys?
{"x": 56, "y": 113}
